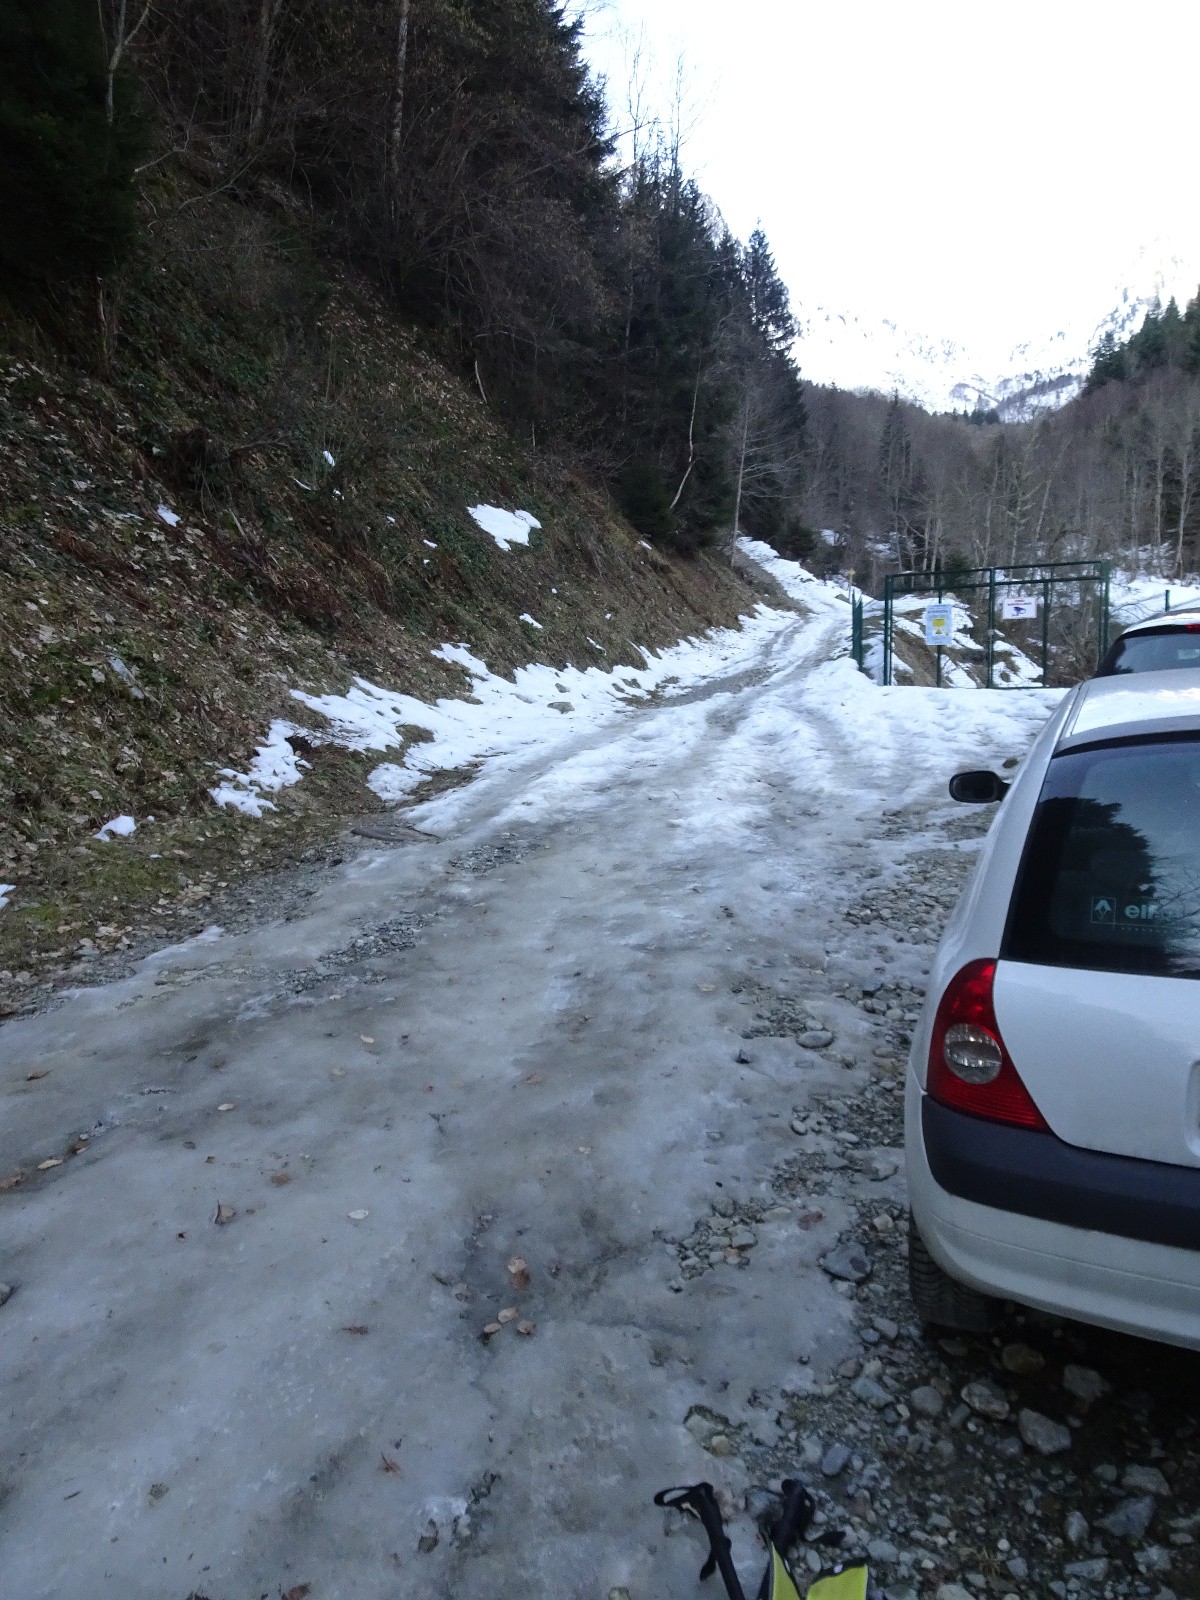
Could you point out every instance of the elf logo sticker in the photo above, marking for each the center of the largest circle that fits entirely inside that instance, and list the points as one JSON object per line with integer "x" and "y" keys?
{"x": 1104, "y": 908}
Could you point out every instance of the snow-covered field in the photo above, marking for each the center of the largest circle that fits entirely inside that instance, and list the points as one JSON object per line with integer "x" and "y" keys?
{"x": 270, "y": 1185}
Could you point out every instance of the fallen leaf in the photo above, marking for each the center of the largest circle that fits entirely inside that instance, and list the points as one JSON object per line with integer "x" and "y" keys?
{"x": 532, "y": 1077}
{"x": 732, "y": 1256}
{"x": 42, "y": 1072}
{"x": 389, "y": 1465}
{"x": 355, "y": 1327}
{"x": 428, "y": 1542}
{"x": 298, "y": 1592}
{"x": 527, "y": 1328}
{"x": 54, "y": 1161}
{"x": 366, "y": 1038}
{"x": 12, "y": 1181}
{"x": 490, "y": 1328}
{"x": 428, "y": 1088}
{"x": 509, "y": 1314}
{"x": 157, "y": 1490}
{"x": 358, "y": 1216}
{"x": 228, "y": 1106}
{"x": 224, "y": 1214}
{"x": 518, "y": 1271}
{"x": 78, "y": 1146}
{"x": 462, "y": 1292}
{"x": 809, "y": 1219}
{"x": 281, "y": 1178}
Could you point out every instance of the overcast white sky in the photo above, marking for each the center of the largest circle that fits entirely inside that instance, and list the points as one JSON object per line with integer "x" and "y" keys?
{"x": 980, "y": 171}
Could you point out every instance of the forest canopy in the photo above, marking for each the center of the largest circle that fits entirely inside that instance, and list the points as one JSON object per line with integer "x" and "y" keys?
{"x": 461, "y": 152}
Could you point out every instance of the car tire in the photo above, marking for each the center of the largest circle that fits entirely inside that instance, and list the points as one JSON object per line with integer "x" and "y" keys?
{"x": 941, "y": 1301}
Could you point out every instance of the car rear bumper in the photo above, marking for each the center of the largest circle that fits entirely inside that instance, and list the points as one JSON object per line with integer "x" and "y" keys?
{"x": 972, "y": 1196}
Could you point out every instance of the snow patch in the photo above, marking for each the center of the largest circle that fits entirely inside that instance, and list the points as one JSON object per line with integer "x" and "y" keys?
{"x": 5, "y": 890}
{"x": 168, "y": 516}
{"x": 505, "y": 527}
{"x": 118, "y": 828}
{"x": 532, "y": 621}
{"x": 275, "y": 766}
{"x": 328, "y": 459}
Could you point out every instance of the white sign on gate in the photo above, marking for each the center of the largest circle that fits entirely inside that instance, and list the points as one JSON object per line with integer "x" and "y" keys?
{"x": 939, "y": 624}
{"x": 1015, "y": 606}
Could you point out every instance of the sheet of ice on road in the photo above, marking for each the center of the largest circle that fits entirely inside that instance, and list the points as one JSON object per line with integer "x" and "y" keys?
{"x": 248, "y": 1348}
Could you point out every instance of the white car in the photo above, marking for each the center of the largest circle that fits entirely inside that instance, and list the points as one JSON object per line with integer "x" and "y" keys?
{"x": 1162, "y": 643}
{"x": 1052, "y": 1106}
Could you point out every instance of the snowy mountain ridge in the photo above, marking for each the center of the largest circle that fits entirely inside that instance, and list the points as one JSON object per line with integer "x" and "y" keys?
{"x": 1039, "y": 374}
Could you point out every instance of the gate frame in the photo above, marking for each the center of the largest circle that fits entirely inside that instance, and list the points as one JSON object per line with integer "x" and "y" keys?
{"x": 1048, "y": 574}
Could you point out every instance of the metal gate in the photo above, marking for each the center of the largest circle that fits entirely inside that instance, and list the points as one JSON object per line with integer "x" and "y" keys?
{"x": 1044, "y": 579}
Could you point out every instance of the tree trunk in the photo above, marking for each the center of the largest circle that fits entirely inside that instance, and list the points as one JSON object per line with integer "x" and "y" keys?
{"x": 396, "y": 119}
{"x": 122, "y": 37}
{"x": 268, "y": 16}
{"x": 741, "y": 477}
{"x": 1186, "y": 449}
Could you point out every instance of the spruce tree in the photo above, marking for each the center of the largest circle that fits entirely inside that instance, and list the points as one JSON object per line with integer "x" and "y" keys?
{"x": 66, "y": 193}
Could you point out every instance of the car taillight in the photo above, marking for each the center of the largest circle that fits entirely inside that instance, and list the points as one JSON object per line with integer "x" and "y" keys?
{"x": 969, "y": 1067}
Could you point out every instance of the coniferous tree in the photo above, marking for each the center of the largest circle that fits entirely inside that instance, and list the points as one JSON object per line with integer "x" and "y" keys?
{"x": 66, "y": 170}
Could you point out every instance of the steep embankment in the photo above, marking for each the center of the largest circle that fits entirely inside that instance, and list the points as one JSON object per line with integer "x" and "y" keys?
{"x": 259, "y": 482}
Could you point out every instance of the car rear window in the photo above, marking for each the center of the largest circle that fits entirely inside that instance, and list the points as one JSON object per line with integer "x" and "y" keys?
{"x": 1110, "y": 876}
{"x": 1157, "y": 650}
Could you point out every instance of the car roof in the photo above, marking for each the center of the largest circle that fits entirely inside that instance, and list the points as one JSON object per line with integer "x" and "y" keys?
{"x": 1185, "y": 617}
{"x": 1141, "y": 702}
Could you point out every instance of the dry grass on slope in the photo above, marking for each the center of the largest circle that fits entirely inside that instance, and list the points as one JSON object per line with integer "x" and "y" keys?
{"x": 139, "y": 655}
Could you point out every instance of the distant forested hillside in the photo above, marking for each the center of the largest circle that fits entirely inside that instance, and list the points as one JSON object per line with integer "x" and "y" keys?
{"x": 1115, "y": 472}
{"x": 460, "y": 152}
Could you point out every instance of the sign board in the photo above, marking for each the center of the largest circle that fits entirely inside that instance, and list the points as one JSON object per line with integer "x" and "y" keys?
{"x": 939, "y": 624}
{"x": 1015, "y": 606}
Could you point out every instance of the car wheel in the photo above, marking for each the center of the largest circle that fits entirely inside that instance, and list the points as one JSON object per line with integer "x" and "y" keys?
{"x": 941, "y": 1301}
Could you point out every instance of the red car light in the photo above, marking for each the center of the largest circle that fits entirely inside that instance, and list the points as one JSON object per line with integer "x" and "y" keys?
{"x": 970, "y": 1068}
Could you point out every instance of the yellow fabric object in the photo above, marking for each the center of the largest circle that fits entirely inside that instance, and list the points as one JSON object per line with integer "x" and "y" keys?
{"x": 781, "y": 1586}
{"x": 848, "y": 1585}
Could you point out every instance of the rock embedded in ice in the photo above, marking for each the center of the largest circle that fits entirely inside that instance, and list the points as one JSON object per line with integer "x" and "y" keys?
{"x": 848, "y": 1263}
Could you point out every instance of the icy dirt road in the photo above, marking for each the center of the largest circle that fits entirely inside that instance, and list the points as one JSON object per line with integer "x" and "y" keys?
{"x": 246, "y": 1352}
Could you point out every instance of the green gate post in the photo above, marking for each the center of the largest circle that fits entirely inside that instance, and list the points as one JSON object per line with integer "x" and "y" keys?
{"x": 1105, "y": 599}
{"x": 887, "y": 631}
{"x": 938, "y": 680}
{"x": 1046, "y": 588}
{"x": 991, "y": 623}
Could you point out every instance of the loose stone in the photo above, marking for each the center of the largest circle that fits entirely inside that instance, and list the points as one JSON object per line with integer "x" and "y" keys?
{"x": 1042, "y": 1434}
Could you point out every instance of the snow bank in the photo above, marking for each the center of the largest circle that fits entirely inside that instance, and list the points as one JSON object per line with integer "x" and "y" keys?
{"x": 118, "y": 828}
{"x": 796, "y": 581}
{"x": 541, "y": 709}
{"x": 505, "y": 527}
{"x": 5, "y": 890}
{"x": 275, "y": 766}
{"x": 1133, "y": 596}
